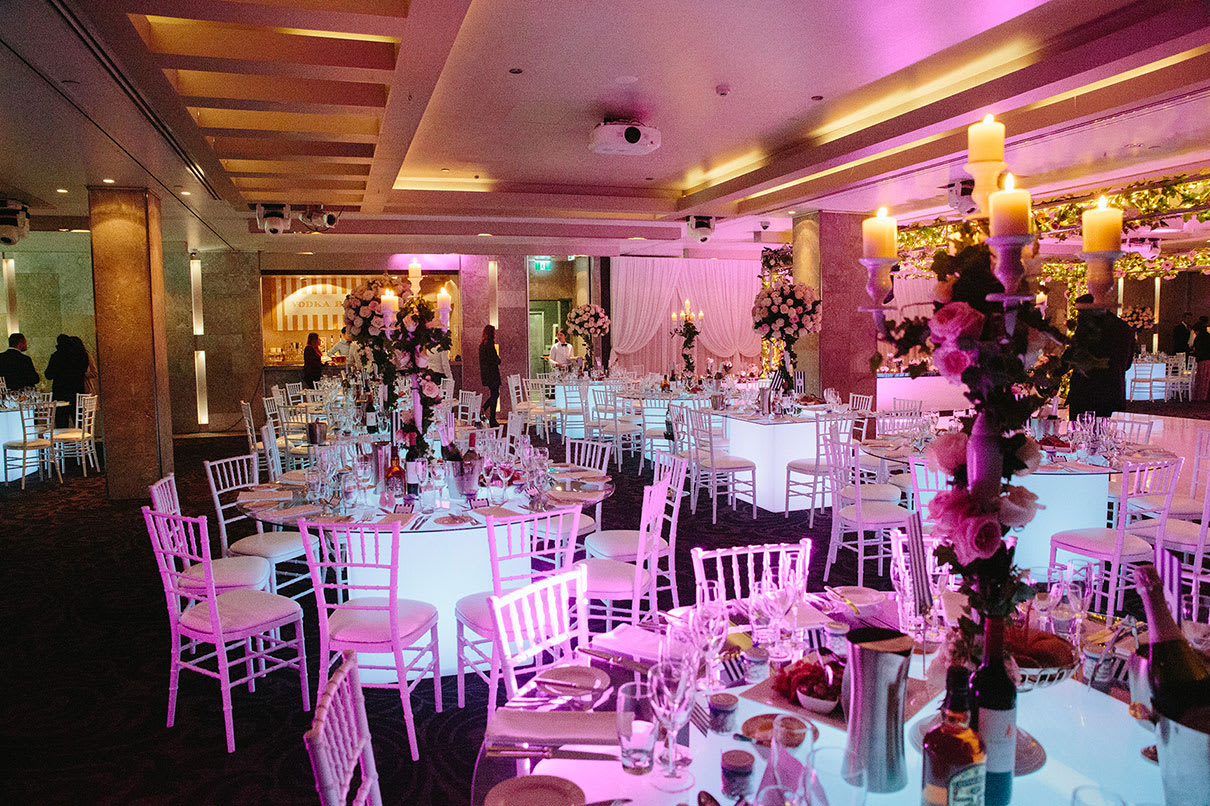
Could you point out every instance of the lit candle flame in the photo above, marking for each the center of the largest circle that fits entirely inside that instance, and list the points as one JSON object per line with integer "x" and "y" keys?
{"x": 388, "y": 294}
{"x": 989, "y": 118}
{"x": 1102, "y": 203}
{"x": 881, "y": 212}
{"x": 1009, "y": 182}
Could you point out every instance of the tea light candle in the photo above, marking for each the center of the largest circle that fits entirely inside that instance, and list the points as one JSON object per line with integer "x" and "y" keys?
{"x": 879, "y": 236}
{"x": 985, "y": 141}
{"x": 1009, "y": 209}
{"x": 1102, "y": 227}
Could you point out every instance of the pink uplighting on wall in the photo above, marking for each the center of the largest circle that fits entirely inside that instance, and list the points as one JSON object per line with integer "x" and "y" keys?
{"x": 439, "y": 262}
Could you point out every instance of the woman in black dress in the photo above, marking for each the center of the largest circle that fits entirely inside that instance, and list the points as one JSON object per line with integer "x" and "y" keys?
{"x": 313, "y": 361}
{"x": 66, "y": 369}
{"x": 489, "y": 372}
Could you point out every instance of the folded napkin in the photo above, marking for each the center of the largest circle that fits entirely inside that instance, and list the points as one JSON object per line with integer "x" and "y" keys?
{"x": 633, "y": 642}
{"x": 300, "y": 511}
{"x": 293, "y": 477}
{"x": 1083, "y": 467}
{"x": 553, "y": 727}
{"x": 572, "y": 496}
{"x": 574, "y": 473}
{"x": 496, "y": 512}
{"x": 250, "y": 496}
{"x": 404, "y": 518}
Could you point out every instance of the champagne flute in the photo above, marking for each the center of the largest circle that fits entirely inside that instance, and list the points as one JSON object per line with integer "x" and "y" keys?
{"x": 710, "y": 626}
{"x": 672, "y": 696}
{"x": 1195, "y": 621}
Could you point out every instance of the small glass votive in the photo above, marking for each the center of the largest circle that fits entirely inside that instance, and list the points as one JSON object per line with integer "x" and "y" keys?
{"x": 737, "y": 773}
{"x": 722, "y": 712}
{"x": 756, "y": 664}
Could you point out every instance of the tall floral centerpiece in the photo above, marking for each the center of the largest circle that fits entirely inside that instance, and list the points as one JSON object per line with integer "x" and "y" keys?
{"x": 685, "y": 327}
{"x": 783, "y": 311}
{"x": 395, "y": 332}
{"x": 1140, "y": 320}
{"x": 589, "y": 322}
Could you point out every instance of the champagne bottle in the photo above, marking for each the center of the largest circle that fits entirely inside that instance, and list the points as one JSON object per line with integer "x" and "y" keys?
{"x": 471, "y": 454}
{"x": 1180, "y": 681}
{"x": 955, "y": 763}
{"x": 995, "y": 713}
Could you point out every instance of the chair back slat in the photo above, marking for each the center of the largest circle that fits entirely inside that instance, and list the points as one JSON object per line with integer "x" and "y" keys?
{"x": 739, "y": 568}
{"x": 589, "y": 454}
{"x": 227, "y": 476}
{"x": 164, "y": 496}
{"x": 338, "y": 742}
{"x": 524, "y": 548}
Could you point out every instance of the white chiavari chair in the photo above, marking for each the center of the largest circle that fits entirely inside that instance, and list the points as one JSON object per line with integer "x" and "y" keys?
{"x": 1182, "y": 538}
{"x": 539, "y": 625}
{"x": 523, "y": 549}
{"x": 854, "y": 512}
{"x": 1146, "y": 492}
{"x": 355, "y": 575}
{"x": 623, "y": 587}
{"x": 859, "y": 403}
{"x": 655, "y": 422}
{"x": 80, "y": 441}
{"x": 1134, "y": 428}
{"x": 612, "y": 425}
{"x": 623, "y": 544}
{"x": 247, "y": 618}
{"x": 574, "y": 413}
{"x": 808, "y": 477}
{"x": 271, "y": 454}
{"x": 469, "y": 406}
{"x": 338, "y": 742}
{"x": 710, "y": 466}
{"x": 282, "y": 549}
{"x": 906, "y": 405}
{"x": 294, "y": 394}
{"x": 36, "y": 448}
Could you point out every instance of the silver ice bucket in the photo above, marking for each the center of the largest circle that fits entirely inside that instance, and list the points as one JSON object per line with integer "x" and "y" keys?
{"x": 464, "y": 477}
{"x": 1184, "y": 753}
{"x": 878, "y": 665}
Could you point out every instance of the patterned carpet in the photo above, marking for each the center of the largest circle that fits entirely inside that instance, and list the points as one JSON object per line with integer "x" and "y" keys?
{"x": 87, "y": 662}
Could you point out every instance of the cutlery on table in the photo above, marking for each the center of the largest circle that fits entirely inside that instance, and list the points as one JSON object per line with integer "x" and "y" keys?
{"x": 840, "y": 597}
{"x": 621, "y": 661}
{"x": 549, "y": 752}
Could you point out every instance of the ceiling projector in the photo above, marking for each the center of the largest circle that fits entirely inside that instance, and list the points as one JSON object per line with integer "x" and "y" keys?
{"x": 626, "y": 137}
{"x": 317, "y": 219}
{"x": 701, "y": 227}
{"x": 14, "y": 221}
{"x": 274, "y": 219}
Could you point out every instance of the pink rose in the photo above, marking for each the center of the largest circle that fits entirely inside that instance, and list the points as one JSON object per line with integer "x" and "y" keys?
{"x": 375, "y": 330}
{"x": 364, "y": 310}
{"x": 430, "y": 389}
{"x": 955, "y": 320}
{"x": 952, "y": 362}
{"x": 947, "y": 452}
{"x": 1030, "y": 455}
{"x": 976, "y": 537}
{"x": 1017, "y": 507}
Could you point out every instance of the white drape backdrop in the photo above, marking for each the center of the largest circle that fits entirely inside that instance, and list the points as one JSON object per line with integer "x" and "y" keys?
{"x": 913, "y": 296}
{"x": 644, "y": 292}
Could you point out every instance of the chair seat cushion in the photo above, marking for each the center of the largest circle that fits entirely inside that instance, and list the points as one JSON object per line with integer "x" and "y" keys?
{"x": 244, "y": 611}
{"x": 474, "y": 611}
{"x": 1099, "y": 541}
{"x": 612, "y": 579}
{"x": 726, "y": 462}
{"x": 1181, "y": 534}
{"x": 273, "y": 546}
{"x": 815, "y": 467}
{"x": 876, "y": 513}
{"x": 67, "y": 433}
{"x": 617, "y": 544}
{"x": 655, "y": 433}
{"x": 230, "y": 573}
{"x": 350, "y": 626}
{"x": 587, "y": 524}
{"x": 1182, "y": 505}
{"x": 901, "y": 480}
{"x": 31, "y": 445}
{"x": 873, "y": 492}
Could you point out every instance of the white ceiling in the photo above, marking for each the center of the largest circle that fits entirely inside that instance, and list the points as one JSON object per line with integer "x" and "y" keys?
{"x": 239, "y": 102}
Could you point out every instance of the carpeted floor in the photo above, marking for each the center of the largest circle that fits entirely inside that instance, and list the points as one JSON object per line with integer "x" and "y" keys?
{"x": 87, "y": 655}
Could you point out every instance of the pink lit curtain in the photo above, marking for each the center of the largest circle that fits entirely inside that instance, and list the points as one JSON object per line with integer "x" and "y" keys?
{"x": 913, "y": 296}
{"x": 645, "y": 292}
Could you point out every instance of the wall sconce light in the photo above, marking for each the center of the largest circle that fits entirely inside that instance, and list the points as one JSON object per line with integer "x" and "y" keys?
{"x": 195, "y": 292}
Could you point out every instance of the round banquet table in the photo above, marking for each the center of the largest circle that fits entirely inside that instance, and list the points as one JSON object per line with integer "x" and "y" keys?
{"x": 439, "y": 563}
{"x": 1071, "y": 495}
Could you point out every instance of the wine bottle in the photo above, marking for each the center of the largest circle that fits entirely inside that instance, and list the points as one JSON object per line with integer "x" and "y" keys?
{"x": 994, "y": 698}
{"x": 371, "y": 417}
{"x": 412, "y": 465}
{"x": 471, "y": 454}
{"x": 396, "y": 478}
{"x": 955, "y": 763}
{"x": 1180, "y": 681}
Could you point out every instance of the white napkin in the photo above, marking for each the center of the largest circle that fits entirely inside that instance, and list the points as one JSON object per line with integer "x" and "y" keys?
{"x": 301, "y": 511}
{"x": 634, "y": 642}
{"x": 553, "y": 727}
{"x": 250, "y": 496}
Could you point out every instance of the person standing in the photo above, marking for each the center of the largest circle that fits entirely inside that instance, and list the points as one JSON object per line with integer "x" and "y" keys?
{"x": 489, "y": 372}
{"x": 313, "y": 362}
{"x": 17, "y": 368}
{"x": 1201, "y": 352}
{"x": 66, "y": 369}
{"x": 561, "y": 353}
{"x": 439, "y": 361}
{"x": 342, "y": 346}
{"x": 1182, "y": 334}
{"x": 90, "y": 374}
{"x": 1111, "y": 343}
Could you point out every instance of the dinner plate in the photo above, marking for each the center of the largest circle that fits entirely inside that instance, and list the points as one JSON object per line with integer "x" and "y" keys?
{"x": 580, "y": 680}
{"x": 863, "y": 598}
{"x": 760, "y": 728}
{"x": 548, "y": 790}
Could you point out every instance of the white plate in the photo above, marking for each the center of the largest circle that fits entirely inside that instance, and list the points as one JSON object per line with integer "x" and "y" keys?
{"x": 864, "y": 598}
{"x": 548, "y": 790}
{"x": 585, "y": 680}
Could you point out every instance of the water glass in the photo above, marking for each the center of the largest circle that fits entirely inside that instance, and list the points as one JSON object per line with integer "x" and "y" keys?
{"x": 835, "y": 779}
{"x": 313, "y": 481}
{"x": 790, "y": 750}
{"x": 1092, "y": 795}
{"x": 778, "y": 795}
{"x": 636, "y": 728}
{"x": 1195, "y": 621}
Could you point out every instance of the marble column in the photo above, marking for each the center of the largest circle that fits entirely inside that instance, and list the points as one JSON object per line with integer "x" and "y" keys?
{"x": 132, "y": 343}
{"x": 827, "y": 247}
{"x": 504, "y": 292}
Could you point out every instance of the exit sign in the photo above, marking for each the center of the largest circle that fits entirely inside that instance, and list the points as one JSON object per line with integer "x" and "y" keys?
{"x": 540, "y": 263}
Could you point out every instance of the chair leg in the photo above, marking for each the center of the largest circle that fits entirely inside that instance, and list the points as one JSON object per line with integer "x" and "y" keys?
{"x": 405, "y": 697}
{"x": 300, "y": 646}
{"x": 493, "y": 683}
{"x": 753, "y": 495}
{"x": 224, "y": 671}
{"x": 460, "y": 644}
{"x": 174, "y": 674}
{"x": 250, "y": 663}
{"x": 786, "y": 509}
{"x": 436, "y": 670}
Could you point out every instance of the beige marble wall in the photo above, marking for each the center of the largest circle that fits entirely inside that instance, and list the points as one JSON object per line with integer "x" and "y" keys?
{"x": 827, "y": 247}
{"x": 511, "y": 295}
{"x": 132, "y": 350}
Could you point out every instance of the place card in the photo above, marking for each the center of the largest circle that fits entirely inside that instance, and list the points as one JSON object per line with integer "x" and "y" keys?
{"x": 477, "y": 503}
{"x": 404, "y": 507}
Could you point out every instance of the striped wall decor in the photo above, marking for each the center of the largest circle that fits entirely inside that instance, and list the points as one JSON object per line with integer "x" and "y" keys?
{"x": 313, "y": 303}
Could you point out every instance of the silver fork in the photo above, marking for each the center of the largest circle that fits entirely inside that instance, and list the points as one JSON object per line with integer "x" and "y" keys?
{"x": 700, "y": 719}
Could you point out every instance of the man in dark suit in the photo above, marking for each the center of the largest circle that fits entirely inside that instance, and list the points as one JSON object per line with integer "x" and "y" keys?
{"x": 1111, "y": 345}
{"x": 16, "y": 368}
{"x": 1182, "y": 333}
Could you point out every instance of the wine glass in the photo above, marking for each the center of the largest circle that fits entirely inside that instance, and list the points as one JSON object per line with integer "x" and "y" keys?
{"x": 836, "y": 778}
{"x": 710, "y": 625}
{"x": 774, "y": 600}
{"x": 1195, "y": 621}
{"x": 790, "y": 748}
{"x": 672, "y": 695}
{"x": 1092, "y": 795}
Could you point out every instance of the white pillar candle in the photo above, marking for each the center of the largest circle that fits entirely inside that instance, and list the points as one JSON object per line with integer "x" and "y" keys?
{"x": 1009, "y": 209}
{"x": 985, "y": 141}
{"x": 389, "y": 306}
{"x": 1102, "y": 228}
{"x": 879, "y": 236}
{"x": 444, "y": 301}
